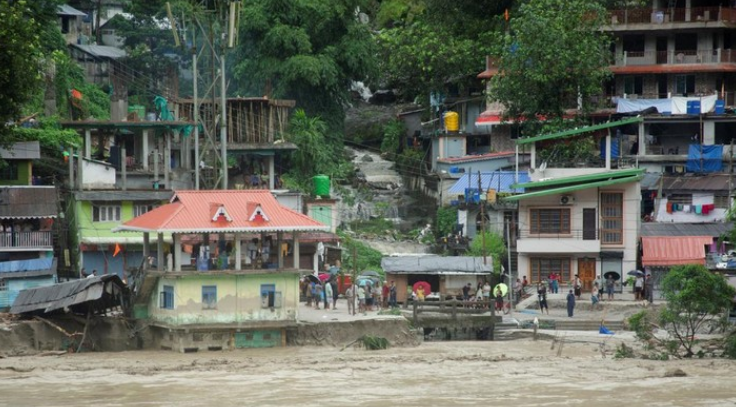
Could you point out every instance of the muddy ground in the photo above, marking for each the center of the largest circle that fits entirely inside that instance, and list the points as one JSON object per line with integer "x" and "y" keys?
{"x": 520, "y": 372}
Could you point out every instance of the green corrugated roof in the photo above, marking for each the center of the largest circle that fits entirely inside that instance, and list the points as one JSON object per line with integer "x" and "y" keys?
{"x": 573, "y": 132}
{"x": 571, "y": 188}
{"x": 580, "y": 178}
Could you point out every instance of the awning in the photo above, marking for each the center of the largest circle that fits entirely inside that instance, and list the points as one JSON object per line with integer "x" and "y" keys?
{"x": 572, "y": 188}
{"x": 577, "y": 131}
{"x": 674, "y": 250}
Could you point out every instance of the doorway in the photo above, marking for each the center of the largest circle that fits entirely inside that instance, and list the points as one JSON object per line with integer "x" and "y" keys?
{"x": 586, "y": 272}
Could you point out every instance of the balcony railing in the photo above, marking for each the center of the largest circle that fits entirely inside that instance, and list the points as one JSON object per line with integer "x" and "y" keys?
{"x": 647, "y": 15}
{"x": 677, "y": 57}
{"x": 26, "y": 240}
{"x": 579, "y": 234}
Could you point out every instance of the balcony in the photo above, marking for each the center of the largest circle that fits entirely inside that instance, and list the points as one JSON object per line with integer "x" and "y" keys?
{"x": 666, "y": 16}
{"x": 676, "y": 57}
{"x": 26, "y": 241}
{"x": 576, "y": 241}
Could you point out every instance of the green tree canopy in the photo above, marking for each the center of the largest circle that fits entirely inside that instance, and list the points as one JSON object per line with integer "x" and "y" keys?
{"x": 495, "y": 247}
{"x": 307, "y": 50}
{"x": 694, "y": 297}
{"x": 552, "y": 54}
{"x": 20, "y": 58}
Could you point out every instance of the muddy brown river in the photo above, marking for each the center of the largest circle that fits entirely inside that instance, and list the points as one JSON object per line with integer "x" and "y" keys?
{"x": 512, "y": 373}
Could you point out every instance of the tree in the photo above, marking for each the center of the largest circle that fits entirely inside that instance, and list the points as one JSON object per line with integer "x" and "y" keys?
{"x": 308, "y": 50}
{"x": 495, "y": 246}
{"x": 694, "y": 297}
{"x": 553, "y": 54}
{"x": 20, "y": 59}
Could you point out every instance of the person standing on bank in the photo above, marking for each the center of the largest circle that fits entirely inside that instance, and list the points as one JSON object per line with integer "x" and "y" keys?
{"x": 570, "y": 303}
{"x": 542, "y": 294}
{"x": 328, "y": 294}
{"x": 392, "y": 295}
{"x": 578, "y": 286}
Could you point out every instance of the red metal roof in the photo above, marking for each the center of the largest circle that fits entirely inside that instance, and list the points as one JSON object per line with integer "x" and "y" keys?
{"x": 191, "y": 212}
{"x": 674, "y": 250}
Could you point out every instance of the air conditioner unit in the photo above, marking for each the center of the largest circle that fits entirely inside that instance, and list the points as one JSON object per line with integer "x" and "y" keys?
{"x": 567, "y": 200}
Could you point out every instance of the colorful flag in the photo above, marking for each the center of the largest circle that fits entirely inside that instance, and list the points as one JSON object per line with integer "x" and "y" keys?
{"x": 117, "y": 250}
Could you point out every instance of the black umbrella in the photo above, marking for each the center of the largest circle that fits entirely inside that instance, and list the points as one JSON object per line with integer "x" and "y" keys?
{"x": 314, "y": 279}
{"x": 613, "y": 274}
{"x": 637, "y": 273}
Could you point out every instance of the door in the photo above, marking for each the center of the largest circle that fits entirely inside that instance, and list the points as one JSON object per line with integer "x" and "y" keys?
{"x": 586, "y": 272}
{"x": 589, "y": 224}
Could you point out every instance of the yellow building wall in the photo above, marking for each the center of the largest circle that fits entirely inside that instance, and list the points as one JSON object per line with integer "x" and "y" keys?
{"x": 238, "y": 299}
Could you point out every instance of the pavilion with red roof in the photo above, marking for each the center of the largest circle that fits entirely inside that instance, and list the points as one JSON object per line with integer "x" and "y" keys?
{"x": 220, "y": 212}
{"x": 225, "y": 304}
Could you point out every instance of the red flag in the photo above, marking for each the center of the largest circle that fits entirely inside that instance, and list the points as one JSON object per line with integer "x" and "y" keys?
{"x": 117, "y": 250}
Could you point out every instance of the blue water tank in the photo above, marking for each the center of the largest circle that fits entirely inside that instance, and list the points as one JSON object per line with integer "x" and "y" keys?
{"x": 720, "y": 106}
{"x": 693, "y": 107}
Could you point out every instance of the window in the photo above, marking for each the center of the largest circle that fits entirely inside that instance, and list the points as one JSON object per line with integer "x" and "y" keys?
{"x": 682, "y": 199}
{"x": 542, "y": 267}
{"x": 209, "y": 297}
{"x": 553, "y": 221}
{"x": 633, "y": 85}
{"x": 167, "y": 297}
{"x": 270, "y": 298}
{"x": 139, "y": 210}
{"x": 721, "y": 201}
{"x": 612, "y": 218}
{"x": 3, "y": 285}
{"x": 685, "y": 84}
{"x": 106, "y": 213}
{"x": 9, "y": 172}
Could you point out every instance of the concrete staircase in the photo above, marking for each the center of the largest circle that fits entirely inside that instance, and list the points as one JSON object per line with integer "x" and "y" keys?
{"x": 586, "y": 325}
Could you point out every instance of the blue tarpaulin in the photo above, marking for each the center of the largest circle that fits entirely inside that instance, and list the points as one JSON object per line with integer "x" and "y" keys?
{"x": 615, "y": 153}
{"x": 26, "y": 265}
{"x": 711, "y": 160}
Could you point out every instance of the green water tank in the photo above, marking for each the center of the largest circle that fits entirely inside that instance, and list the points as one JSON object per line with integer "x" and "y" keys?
{"x": 321, "y": 185}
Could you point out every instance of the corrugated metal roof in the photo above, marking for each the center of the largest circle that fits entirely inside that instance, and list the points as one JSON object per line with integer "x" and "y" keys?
{"x": 129, "y": 195}
{"x": 651, "y": 229}
{"x": 101, "y": 51}
{"x": 572, "y": 188}
{"x": 190, "y": 212}
{"x": 501, "y": 181}
{"x": 711, "y": 182}
{"x": 478, "y": 157}
{"x": 67, "y": 10}
{"x": 671, "y": 251}
{"x": 98, "y": 293}
{"x": 435, "y": 265}
{"x": 27, "y": 202}
{"x": 22, "y": 150}
{"x": 650, "y": 180}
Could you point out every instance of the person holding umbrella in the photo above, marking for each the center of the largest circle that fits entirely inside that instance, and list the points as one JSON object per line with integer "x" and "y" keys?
{"x": 609, "y": 285}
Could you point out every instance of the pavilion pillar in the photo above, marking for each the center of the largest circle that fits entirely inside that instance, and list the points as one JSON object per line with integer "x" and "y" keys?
{"x": 296, "y": 250}
{"x": 146, "y": 245}
{"x": 177, "y": 252}
{"x": 238, "y": 251}
{"x": 160, "y": 261}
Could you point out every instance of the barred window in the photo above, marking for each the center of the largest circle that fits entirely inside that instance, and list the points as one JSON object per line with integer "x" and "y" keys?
{"x": 552, "y": 221}
{"x": 612, "y": 218}
{"x": 542, "y": 267}
{"x": 682, "y": 199}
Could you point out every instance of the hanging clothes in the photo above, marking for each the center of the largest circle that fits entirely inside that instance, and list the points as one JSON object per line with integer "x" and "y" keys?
{"x": 698, "y": 209}
{"x": 669, "y": 207}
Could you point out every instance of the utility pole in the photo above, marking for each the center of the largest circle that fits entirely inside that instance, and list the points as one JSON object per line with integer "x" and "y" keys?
{"x": 730, "y": 177}
{"x": 482, "y": 219}
{"x": 508, "y": 255}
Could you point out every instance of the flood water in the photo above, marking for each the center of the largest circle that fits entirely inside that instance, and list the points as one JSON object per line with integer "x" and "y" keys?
{"x": 512, "y": 373}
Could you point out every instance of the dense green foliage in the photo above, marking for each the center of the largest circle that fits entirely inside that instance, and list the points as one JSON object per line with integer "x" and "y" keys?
{"x": 20, "y": 59}
{"x": 696, "y": 299}
{"x": 552, "y": 54}
{"x": 495, "y": 247}
{"x": 393, "y": 133}
{"x": 308, "y": 50}
{"x": 358, "y": 256}
{"x": 446, "y": 220}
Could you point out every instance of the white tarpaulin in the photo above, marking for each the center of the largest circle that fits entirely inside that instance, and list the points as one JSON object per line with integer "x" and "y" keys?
{"x": 674, "y": 105}
{"x": 707, "y": 103}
